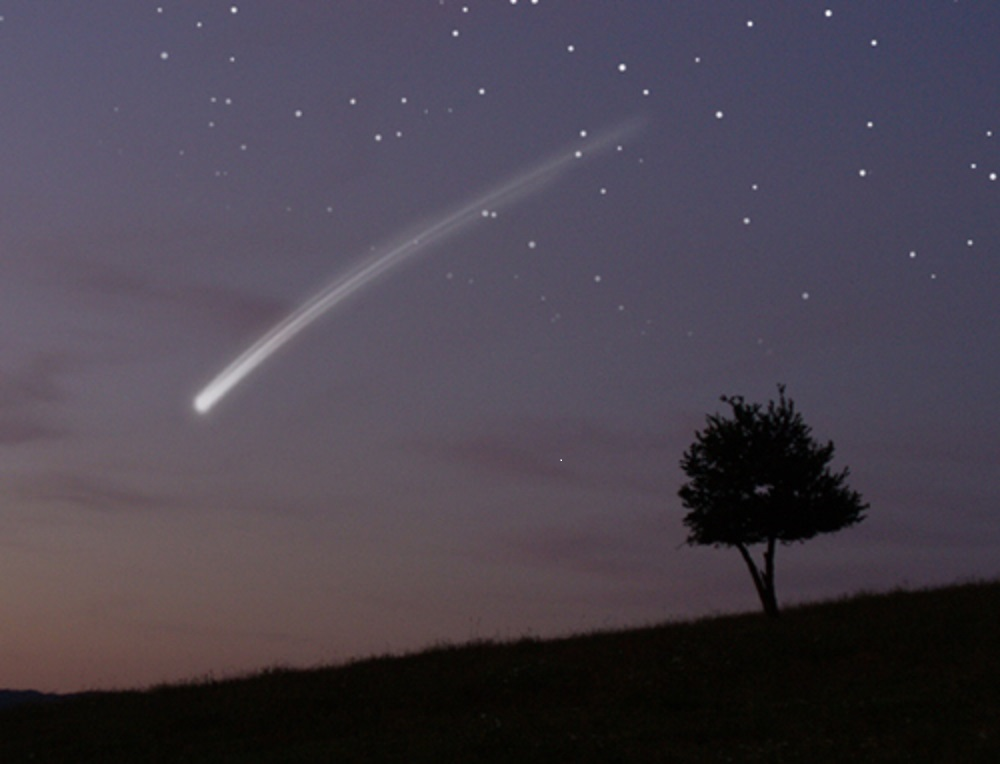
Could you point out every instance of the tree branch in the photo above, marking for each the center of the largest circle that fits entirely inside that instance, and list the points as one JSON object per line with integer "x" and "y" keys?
{"x": 755, "y": 573}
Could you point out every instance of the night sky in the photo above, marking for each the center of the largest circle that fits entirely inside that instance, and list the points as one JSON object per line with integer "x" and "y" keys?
{"x": 484, "y": 442}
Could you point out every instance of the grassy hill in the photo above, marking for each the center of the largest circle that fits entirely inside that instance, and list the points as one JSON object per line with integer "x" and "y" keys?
{"x": 906, "y": 676}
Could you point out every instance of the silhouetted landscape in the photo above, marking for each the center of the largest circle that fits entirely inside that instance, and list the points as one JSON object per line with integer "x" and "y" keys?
{"x": 10, "y": 698}
{"x": 340, "y": 332}
{"x": 903, "y": 676}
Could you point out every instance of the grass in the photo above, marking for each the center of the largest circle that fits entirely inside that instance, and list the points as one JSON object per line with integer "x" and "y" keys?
{"x": 905, "y": 676}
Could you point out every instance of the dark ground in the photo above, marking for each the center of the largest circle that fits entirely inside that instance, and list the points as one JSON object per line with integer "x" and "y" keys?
{"x": 906, "y": 676}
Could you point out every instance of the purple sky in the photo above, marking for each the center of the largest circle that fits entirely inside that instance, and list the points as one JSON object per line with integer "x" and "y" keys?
{"x": 485, "y": 442}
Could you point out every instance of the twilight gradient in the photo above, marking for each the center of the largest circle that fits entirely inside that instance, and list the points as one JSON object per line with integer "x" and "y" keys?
{"x": 487, "y": 443}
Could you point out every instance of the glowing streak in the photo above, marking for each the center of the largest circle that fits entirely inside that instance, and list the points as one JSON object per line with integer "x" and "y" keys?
{"x": 368, "y": 270}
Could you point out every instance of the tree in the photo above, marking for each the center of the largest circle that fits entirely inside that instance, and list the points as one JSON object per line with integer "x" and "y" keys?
{"x": 758, "y": 477}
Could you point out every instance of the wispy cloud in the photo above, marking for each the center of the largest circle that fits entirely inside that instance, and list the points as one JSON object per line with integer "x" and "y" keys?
{"x": 570, "y": 450}
{"x": 593, "y": 551}
{"x": 17, "y": 429}
{"x": 34, "y": 382}
{"x": 26, "y": 392}
{"x": 507, "y": 455}
{"x": 209, "y": 304}
{"x": 101, "y": 261}
{"x": 81, "y": 491}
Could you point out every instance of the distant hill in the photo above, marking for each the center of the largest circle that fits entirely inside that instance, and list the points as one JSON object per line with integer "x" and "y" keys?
{"x": 10, "y": 698}
{"x": 902, "y": 677}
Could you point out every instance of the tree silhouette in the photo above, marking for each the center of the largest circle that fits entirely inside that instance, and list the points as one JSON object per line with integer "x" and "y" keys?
{"x": 758, "y": 477}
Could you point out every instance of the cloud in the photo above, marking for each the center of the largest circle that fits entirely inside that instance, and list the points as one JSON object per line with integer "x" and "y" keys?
{"x": 592, "y": 551}
{"x": 25, "y": 394}
{"x": 944, "y": 445}
{"x": 79, "y": 491}
{"x": 207, "y": 304}
{"x": 505, "y": 455}
{"x": 149, "y": 265}
{"x": 16, "y": 430}
{"x": 569, "y": 450}
{"x": 35, "y": 382}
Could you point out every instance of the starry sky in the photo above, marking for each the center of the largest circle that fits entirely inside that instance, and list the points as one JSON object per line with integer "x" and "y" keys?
{"x": 484, "y": 442}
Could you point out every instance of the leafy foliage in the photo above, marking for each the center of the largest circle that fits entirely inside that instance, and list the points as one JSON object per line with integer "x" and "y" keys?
{"x": 760, "y": 475}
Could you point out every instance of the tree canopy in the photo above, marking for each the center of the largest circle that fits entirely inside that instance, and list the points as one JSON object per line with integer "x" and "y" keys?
{"x": 758, "y": 476}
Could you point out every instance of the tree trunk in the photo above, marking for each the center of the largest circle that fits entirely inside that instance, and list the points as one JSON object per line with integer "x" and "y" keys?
{"x": 763, "y": 580}
{"x": 771, "y": 605}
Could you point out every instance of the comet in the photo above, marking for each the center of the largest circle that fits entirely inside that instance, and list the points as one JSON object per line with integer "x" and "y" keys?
{"x": 403, "y": 248}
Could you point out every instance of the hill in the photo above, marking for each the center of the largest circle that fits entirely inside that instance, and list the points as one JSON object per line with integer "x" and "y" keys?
{"x": 905, "y": 676}
{"x": 10, "y": 698}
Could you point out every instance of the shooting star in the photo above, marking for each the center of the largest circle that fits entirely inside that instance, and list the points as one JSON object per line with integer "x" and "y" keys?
{"x": 405, "y": 247}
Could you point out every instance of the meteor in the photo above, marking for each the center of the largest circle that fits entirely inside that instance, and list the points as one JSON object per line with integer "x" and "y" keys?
{"x": 403, "y": 248}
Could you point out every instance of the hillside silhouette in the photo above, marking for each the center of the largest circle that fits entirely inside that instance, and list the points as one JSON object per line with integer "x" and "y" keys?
{"x": 904, "y": 676}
